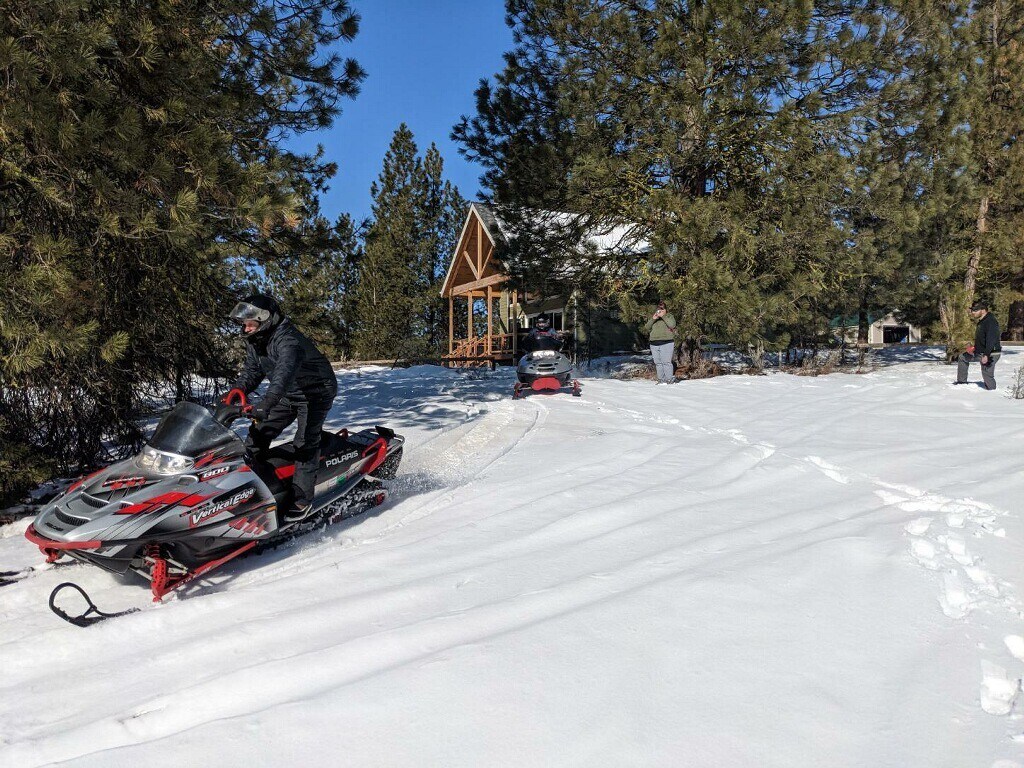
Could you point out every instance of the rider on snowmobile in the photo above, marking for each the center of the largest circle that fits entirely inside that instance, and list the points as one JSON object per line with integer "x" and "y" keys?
{"x": 542, "y": 336}
{"x": 302, "y": 386}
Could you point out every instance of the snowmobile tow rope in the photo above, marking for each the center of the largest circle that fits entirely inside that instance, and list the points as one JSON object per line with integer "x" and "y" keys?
{"x": 83, "y": 619}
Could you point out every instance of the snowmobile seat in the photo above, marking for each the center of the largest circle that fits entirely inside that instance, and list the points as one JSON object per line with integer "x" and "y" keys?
{"x": 276, "y": 465}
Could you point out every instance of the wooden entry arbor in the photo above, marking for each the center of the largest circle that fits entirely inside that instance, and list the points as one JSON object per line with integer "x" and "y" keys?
{"x": 477, "y": 277}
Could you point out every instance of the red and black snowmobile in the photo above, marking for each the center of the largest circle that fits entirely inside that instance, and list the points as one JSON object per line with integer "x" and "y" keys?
{"x": 194, "y": 498}
{"x": 544, "y": 368}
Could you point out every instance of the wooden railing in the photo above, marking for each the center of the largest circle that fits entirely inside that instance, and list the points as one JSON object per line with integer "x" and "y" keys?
{"x": 477, "y": 347}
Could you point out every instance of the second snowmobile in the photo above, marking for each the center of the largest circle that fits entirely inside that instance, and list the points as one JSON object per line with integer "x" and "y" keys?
{"x": 544, "y": 368}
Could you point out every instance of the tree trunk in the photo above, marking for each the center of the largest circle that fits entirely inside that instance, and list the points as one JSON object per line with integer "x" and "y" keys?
{"x": 1015, "y": 322}
{"x": 971, "y": 277}
{"x": 949, "y": 324}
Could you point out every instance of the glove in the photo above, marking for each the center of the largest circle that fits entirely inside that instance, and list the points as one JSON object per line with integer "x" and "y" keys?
{"x": 257, "y": 412}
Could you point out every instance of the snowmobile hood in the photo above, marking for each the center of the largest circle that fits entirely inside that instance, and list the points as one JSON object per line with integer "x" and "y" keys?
{"x": 544, "y": 363}
{"x": 114, "y": 502}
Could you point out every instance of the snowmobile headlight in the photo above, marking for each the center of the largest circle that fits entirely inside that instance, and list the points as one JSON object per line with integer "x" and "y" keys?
{"x": 162, "y": 462}
{"x": 544, "y": 353}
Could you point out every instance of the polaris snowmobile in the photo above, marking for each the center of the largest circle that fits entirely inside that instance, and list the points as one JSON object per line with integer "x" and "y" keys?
{"x": 194, "y": 498}
{"x": 545, "y": 368}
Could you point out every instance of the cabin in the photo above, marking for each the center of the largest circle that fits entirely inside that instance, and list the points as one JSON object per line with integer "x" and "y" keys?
{"x": 882, "y": 329}
{"x": 487, "y": 319}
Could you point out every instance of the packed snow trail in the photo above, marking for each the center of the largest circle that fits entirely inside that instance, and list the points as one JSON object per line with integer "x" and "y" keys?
{"x": 771, "y": 571}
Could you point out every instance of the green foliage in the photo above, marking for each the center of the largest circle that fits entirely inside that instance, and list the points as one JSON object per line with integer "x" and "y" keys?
{"x": 315, "y": 282}
{"x": 398, "y": 311}
{"x": 786, "y": 162}
{"x": 140, "y": 158}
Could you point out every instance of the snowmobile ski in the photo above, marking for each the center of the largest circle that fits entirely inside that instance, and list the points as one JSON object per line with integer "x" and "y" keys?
{"x": 9, "y": 577}
{"x": 91, "y": 615}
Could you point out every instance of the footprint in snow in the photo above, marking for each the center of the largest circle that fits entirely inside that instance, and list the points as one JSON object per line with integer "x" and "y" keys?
{"x": 924, "y": 552}
{"x": 955, "y": 601}
{"x": 918, "y": 527}
{"x": 957, "y": 549}
{"x": 998, "y": 691}
{"x": 1015, "y": 644}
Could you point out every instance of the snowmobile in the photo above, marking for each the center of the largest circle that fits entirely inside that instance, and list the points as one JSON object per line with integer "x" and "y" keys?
{"x": 545, "y": 368}
{"x": 195, "y": 498}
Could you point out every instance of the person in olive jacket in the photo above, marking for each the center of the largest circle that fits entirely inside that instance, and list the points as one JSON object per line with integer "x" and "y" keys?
{"x": 986, "y": 349}
{"x": 302, "y": 386}
{"x": 661, "y": 330}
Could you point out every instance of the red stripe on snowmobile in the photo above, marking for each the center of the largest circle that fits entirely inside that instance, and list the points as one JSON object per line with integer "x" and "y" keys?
{"x": 283, "y": 473}
{"x": 163, "y": 500}
{"x": 381, "y": 446}
{"x": 195, "y": 498}
{"x": 545, "y": 382}
{"x": 205, "y": 459}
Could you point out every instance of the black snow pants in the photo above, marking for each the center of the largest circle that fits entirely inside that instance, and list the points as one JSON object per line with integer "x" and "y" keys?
{"x": 310, "y": 409}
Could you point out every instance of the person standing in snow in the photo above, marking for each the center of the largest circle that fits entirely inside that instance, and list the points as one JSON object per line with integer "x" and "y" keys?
{"x": 302, "y": 386}
{"x": 986, "y": 349}
{"x": 661, "y": 330}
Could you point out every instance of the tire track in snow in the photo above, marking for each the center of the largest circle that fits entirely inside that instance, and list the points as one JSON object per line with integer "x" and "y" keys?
{"x": 272, "y": 683}
{"x": 468, "y": 452}
{"x": 937, "y": 544}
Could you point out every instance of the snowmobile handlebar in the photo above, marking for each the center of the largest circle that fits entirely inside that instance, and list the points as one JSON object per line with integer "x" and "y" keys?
{"x": 233, "y": 395}
{"x": 232, "y": 406}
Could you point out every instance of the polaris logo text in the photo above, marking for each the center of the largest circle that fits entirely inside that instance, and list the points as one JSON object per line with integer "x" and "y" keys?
{"x": 211, "y": 510}
{"x": 340, "y": 459}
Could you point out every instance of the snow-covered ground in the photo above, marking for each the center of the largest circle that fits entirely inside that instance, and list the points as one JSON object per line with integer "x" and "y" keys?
{"x": 741, "y": 571}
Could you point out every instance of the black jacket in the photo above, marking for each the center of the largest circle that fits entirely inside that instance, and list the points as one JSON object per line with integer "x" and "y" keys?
{"x": 986, "y": 337}
{"x": 295, "y": 366}
{"x": 537, "y": 340}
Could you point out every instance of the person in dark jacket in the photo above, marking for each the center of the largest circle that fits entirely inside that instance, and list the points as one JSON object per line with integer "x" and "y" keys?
{"x": 541, "y": 336}
{"x": 986, "y": 349}
{"x": 302, "y": 386}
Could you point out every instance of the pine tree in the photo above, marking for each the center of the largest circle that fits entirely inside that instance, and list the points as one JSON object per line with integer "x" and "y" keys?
{"x": 718, "y": 129}
{"x": 416, "y": 216}
{"x": 140, "y": 156}
{"x": 314, "y": 281}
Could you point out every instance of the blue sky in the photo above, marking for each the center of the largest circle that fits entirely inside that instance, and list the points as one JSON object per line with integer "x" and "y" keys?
{"x": 423, "y": 60}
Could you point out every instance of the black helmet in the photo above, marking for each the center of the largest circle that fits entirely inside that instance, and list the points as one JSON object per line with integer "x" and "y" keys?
{"x": 543, "y": 322}
{"x": 260, "y": 307}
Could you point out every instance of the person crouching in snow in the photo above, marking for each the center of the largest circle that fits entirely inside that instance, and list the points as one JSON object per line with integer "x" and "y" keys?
{"x": 986, "y": 349}
{"x": 302, "y": 386}
{"x": 661, "y": 330}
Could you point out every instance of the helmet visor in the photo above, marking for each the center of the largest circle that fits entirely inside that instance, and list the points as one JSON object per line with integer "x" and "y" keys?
{"x": 245, "y": 311}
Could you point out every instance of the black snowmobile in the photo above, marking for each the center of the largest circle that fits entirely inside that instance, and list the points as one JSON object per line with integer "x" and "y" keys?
{"x": 544, "y": 368}
{"x": 194, "y": 498}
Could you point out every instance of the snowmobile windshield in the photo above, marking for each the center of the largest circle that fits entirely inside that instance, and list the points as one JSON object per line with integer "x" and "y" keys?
{"x": 189, "y": 430}
{"x": 536, "y": 342}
